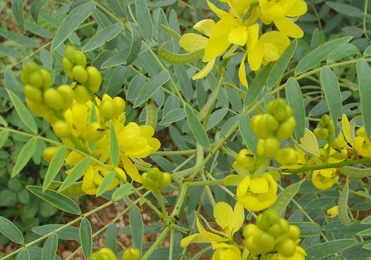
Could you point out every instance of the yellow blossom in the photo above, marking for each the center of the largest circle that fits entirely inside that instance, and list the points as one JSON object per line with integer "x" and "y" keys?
{"x": 324, "y": 179}
{"x": 333, "y": 212}
{"x": 258, "y": 193}
{"x": 268, "y": 48}
{"x": 362, "y": 144}
{"x": 228, "y": 220}
{"x": 225, "y": 251}
{"x": 299, "y": 255}
{"x": 279, "y": 11}
{"x": 93, "y": 177}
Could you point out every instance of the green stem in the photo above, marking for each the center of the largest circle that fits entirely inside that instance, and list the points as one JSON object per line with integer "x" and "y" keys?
{"x": 208, "y": 191}
{"x": 156, "y": 244}
{"x": 153, "y": 207}
{"x": 162, "y": 204}
{"x": 205, "y": 183}
{"x": 171, "y": 249}
{"x": 170, "y": 153}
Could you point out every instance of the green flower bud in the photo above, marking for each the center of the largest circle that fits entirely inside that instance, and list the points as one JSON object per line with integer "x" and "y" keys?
{"x": 154, "y": 179}
{"x": 131, "y": 254}
{"x": 93, "y": 132}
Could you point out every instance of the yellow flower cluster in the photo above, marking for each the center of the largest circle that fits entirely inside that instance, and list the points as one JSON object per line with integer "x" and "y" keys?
{"x": 239, "y": 27}
{"x": 83, "y": 121}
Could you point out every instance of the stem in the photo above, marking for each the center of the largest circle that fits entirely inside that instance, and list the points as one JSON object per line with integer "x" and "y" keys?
{"x": 170, "y": 153}
{"x": 153, "y": 207}
{"x": 162, "y": 204}
{"x": 171, "y": 249}
{"x": 156, "y": 244}
{"x": 205, "y": 183}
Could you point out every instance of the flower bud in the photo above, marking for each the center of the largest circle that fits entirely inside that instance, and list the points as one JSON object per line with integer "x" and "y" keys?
{"x": 67, "y": 65}
{"x": 107, "y": 254}
{"x": 38, "y": 109}
{"x": 53, "y": 98}
{"x": 61, "y": 129}
{"x": 245, "y": 158}
{"x": 47, "y": 78}
{"x": 286, "y": 248}
{"x": 94, "y": 79}
{"x": 271, "y": 146}
{"x": 33, "y": 94}
{"x": 29, "y": 67}
{"x": 107, "y": 109}
{"x": 79, "y": 74}
{"x": 49, "y": 153}
{"x": 81, "y": 94}
{"x": 67, "y": 93}
{"x": 131, "y": 254}
{"x": 80, "y": 58}
{"x": 70, "y": 53}
{"x": 93, "y": 132}
{"x": 36, "y": 79}
{"x": 95, "y": 256}
{"x": 287, "y": 156}
{"x": 154, "y": 179}
{"x": 119, "y": 104}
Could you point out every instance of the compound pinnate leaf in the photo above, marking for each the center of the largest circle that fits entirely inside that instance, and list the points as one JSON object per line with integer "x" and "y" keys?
{"x": 9, "y": 230}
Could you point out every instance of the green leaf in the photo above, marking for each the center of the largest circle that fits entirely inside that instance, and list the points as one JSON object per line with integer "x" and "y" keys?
{"x": 38, "y": 30}
{"x": 117, "y": 7}
{"x": 25, "y": 155}
{"x": 23, "y": 255}
{"x": 36, "y": 8}
{"x": 151, "y": 87}
{"x": 54, "y": 167}
{"x": 343, "y": 51}
{"x": 50, "y": 248}
{"x": 365, "y": 233}
{"x": 106, "y": 183}
{"x": 135, "y": 47}
{"x": 330, "y": 85}
{"x": 17, "y": 9}
{"x": 122, "y": 191}
{"x": 20, "y": 39}
{"x": 356, "y": 172}
{"x": 111, "y": 237}
{"x": 184, "y": 81}
{"x": 319, "y": 54}
{"x": 67, "y": 233}
{"x": 296, "y": 101}
{"x": 144, "y": 19}
{"x": 117, "y": 59}
{"x": 367, "y": 52}
{"x": 103, "y": 36}
{"x": 364, "y": 82}
{"x": 343, "y": 206}
{"x": 22, "y": 112}
{"x": 114, "y": 146}
{"x": 326, "y": 249}
{"x": 308, "y": 229}
{"x": 280, "y": 66}
{"x": 319, "y": 203}
{"x": 197, "y": 129}
{"x": 9, "y": 52}
{"x": 173, "y": 116}
{"x": 336, "y": 227}
{"x": 46, "y": 59}
{"x": 257, "y": 85}
{"x": 285, "y": 197}
{"x": 58, "y": 200}
{"x": 116, "y": 81}
{"x": 136, "y": 228}
{"x": 135, "y": 86}
{"x": 76, "y": 173}
{"x": 347, "y": 10}
{"x": 9, "y": 230}
{"x": 216, "y": 117}
{"x": 171, "y": 31}
{"x": 71, "y": 22}
{"x": 247, "y": 133}
{"x": 3, "y": 137}
{"x": 86, "y": 237}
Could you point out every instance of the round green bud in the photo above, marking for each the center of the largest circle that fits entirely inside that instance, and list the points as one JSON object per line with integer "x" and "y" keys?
{"x": 61, "y": 129}
{"x": 266, "y": 242}
{"x": 294, "y": 233}
{"x": 67, "y": 93}
{"x": 119, "y": 105}
{"x": 245, "y": 158}
{"x": 272, "y": 123}
{"x": 284, "y": 225}
{"x": 79, "y": 74}
{"x": 251, "y": 230}
{"x": 286, "y": 248}
{"x": 70, "y": 53}
{"x": 131, "y": 254}
{"x": 29, "y": 67}
{"x": 36, "y": 79}
{"x": 287, "y": 156}
{"x": 80, "y": 58}
{"x": 49, "y": 153}
{"x": 93, "y": 132}
{"x": 275, "y": 230}
{"x": 94, "y": 79}
{"x": 33, "y": 94}
{"x": 81, "y": 94}
{"x": 53, "y": 99}
{"x": 107, "y": 109}
{"x": 67, "y": 65}
{"x": 271, "y": 146}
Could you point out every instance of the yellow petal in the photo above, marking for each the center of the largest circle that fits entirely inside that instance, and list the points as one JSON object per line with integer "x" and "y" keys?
{"x": 254, "y": 16}
{"x": 223, "y": 214}
{"x": 238, "y": 35}
{"x": 243, "y": 187}
{"x": 255, "y": 56}
{"x": 192, "y": 42}
{"x": 232, "y": 180}
{"x": 205, "y": 26}
{"x": 259, "y": 185}
{"x": 206, "y": 70}
{"x": 195, "y": 238}
{"x": 242, "y": 72}
{"x": 346, "y": 129}
{"x": 238, "y": 217}
{"x": 309, "y": 143}
{"x": 219, "y": 12}
{"x": 289, "y": 28}
{"x": 130, "y": 169}
{"x": 146, "y": 131}
{"x": 298, "y": 9}
{"x": 270, "y": 52}
{"x": 253, "y": 35}
{"x": 208, "y": 235}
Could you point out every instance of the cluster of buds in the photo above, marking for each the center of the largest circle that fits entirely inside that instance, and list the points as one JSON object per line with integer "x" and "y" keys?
{"x": 271, "y": 234}
{"x": 155, "y": 180}
{"x": 277, "y": 124}
{"x": 107, "y": 254}
{"x": 87, "y": 79}
{"x": 326, "y": 128}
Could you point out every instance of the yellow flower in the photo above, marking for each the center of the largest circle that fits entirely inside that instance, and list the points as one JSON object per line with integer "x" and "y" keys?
{"x": 241, "y": 6}
{"x": 278, "y": 11}
{"x": 193, "y": 42}
{"x": 268, "y": 48}
{"x": 299, "y": 255}
{"x": 229, "y": 222}
{"x": 225, "y": 251}
{"x": 136, "y": 142}
{"x": 93, "y": 177}
{"x": 333, "y": 212}
{"x": 258, "y": 193}
{"x": 324, "y": 179}
{"x": 230, "y": 30}
{"x": 361, "y": 144}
